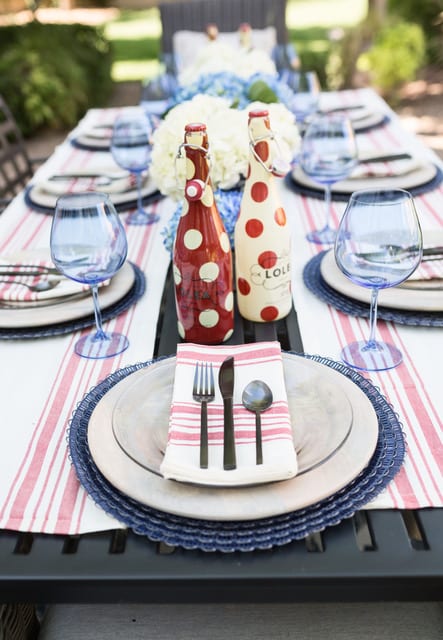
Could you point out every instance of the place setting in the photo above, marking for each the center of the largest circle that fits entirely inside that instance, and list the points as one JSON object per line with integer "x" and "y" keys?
{"x": 124, "y": 176}
{"x": 234, "y": 448}
{"x": 332, "y": 165}
{"x": 415, "y": 300}
{"x": 43, "y": 294}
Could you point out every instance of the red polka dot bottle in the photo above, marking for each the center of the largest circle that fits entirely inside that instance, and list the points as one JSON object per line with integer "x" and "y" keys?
{"x": 202, "y": 259}
{"x": 262, "y": 238}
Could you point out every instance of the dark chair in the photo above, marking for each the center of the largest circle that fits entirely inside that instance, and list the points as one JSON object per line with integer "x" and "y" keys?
{"x": 16, "y": 167}
{"x": 195, "y": 15}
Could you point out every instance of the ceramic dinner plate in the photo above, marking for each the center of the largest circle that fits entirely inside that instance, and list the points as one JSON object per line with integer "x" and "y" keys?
{"x": 71, "y": 308}
{"x": 393, "y": 297}
{"x": 314, "y": 391}
{"x": 323, "y": 419}
{"x": 40, "y": 199}
{"x": 416, "y": 178}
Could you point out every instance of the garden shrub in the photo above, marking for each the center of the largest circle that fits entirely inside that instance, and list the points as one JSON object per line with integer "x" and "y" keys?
{"x": 50, "y": 74}
{"x": 398, "y": 52}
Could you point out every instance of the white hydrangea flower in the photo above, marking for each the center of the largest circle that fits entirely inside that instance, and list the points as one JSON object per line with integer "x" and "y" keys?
{"x": 217, "y": 56}
{"x": 228, "y": 141}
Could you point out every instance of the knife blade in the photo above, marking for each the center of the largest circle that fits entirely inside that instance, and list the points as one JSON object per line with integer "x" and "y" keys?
{"x": 226, "y": 384}
{"x": 389, "y": 157}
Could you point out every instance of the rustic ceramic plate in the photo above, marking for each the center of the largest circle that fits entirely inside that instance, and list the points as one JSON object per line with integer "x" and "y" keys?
{"x": 308, "y": 383}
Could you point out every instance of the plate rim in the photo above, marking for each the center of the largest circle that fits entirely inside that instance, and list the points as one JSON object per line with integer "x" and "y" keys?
{"x": 286, "y": 498}
{"x": 132, "y": 452}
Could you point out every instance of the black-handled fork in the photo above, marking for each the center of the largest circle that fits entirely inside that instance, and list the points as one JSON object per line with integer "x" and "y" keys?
{"x": 203, "y": 391}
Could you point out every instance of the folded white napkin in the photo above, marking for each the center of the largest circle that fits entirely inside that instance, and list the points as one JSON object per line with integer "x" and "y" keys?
{"x": 260, "y": 361}
{"x": 428, "y": 270}
{"x": 13, "y": 291}
{"x": 119, "y": 184}
{"x": 368, "y": 169}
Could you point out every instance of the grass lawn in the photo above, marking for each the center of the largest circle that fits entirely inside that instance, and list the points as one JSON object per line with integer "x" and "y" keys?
{"x": 136, "y": 34}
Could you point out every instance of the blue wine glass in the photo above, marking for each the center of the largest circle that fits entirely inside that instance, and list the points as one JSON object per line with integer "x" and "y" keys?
{"x": 88, "y": 245}
{"x": 328, "y": 154}
{"x": 305, "y": 87}
{"x": 131, "y": 148}
{"x": 379, "y": 244}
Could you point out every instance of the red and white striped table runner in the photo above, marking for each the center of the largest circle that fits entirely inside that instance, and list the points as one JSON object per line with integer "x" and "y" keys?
{"x": 43, "y": 380}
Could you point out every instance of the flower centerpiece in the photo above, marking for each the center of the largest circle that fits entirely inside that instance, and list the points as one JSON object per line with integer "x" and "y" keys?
{"x": 222, "y": 101}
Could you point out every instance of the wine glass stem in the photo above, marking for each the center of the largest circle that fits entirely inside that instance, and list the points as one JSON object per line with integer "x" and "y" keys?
{"x": 328, "y": 205}
{"x": 373, "y": 317}
{"x": 100, "y": 335}
{"x": 139, "y": 191}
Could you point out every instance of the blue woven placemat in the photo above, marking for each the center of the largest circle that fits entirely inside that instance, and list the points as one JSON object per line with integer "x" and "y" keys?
{"x": 60, "y": 328}
{"x": 207, "y": 535}
{"x": 341, "y": 196}
{"x": 121, "y": 207}
{"x": 315, "y": 282}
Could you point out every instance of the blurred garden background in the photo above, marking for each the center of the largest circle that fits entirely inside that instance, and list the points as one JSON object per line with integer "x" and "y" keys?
{"x": 60, "y": 57}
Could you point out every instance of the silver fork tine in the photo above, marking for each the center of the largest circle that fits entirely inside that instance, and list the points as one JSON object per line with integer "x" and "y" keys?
{"x": 203, "y": 391}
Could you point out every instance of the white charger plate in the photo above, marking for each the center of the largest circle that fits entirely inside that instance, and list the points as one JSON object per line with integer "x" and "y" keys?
{"x": 304, "y": 379}
{"x": 72, "y": 308}
{"x": 416, "y": 178}
{"x": 393, "y": 297}
{"x": 40, "y": 198}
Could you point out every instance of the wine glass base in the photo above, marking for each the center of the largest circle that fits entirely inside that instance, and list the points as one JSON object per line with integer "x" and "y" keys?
{"x": 376, "y": 356}
{"x": 322, "y": 236}
{"x": 105, "y": 346}
{"x": 142, "y": 217}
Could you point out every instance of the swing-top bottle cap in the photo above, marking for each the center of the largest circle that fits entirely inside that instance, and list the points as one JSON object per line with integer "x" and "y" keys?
{"x": 193, "y": 127}
{"x": 259, "y": 113}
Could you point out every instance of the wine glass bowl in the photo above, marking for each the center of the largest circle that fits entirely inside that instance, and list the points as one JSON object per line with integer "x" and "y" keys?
{"x": 328, "y": 155}
{"x": 131, "y": 148}
{"x": 305, "y": 87}
{"x": 378, "y": 245}
{"x": 88, "y": 245}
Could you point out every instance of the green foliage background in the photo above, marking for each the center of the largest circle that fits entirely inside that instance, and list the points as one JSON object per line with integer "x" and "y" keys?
{"x": 50, "y": 74}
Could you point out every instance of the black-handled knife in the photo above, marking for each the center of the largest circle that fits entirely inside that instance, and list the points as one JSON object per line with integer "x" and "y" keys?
{"x": 226, "y": 384}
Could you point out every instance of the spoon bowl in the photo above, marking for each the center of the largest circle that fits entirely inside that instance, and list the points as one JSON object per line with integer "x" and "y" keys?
{"x": 257, "y": 397}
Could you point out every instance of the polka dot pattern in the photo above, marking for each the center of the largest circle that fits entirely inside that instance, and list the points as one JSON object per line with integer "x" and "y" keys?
{"x": 259, "y": 191}
{"x": 193, "y": 239}
{"x": 262, "y": 238}
{"x": 254, "y": 228}
{"x": 202, "y": 261}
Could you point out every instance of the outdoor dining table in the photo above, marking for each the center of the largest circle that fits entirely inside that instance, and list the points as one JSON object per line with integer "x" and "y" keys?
{"x": 57, "y": 545}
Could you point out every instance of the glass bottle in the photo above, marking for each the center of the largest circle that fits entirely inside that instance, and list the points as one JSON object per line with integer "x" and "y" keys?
{"x": 262, "y": 237}
{"x": 202, "y": 259}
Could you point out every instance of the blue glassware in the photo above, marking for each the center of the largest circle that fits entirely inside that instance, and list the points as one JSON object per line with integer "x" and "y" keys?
{"x": 328, "y": 155}
{"x": 379, "y": 244}
{"x": 89, "y": 245}
{"x": 131, "y": 148}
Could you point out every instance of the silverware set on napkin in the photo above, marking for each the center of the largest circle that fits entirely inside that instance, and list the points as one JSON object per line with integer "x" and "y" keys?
{"x": 256, "y": 397}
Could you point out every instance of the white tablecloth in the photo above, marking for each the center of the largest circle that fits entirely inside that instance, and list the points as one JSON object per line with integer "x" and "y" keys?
{"x": 43, "y": 380}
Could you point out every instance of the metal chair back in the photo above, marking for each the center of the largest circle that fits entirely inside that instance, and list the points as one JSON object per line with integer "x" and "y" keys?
{"x": 15, "y": 164}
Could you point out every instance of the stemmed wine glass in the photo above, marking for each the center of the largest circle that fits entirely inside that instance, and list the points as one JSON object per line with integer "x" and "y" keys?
{"x": 305, "y": 86}
{"x": 328, "y": 154}
{"x": 131, "y": 148}
{"x": 379, "y": 244}
{"x": 88, "y": 245}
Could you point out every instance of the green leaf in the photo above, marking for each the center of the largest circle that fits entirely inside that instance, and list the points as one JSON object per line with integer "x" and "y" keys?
{"x": 259, "y": 91}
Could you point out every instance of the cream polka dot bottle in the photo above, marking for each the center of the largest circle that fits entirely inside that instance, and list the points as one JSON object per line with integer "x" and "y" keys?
{"x": 262, "y": 238}
{"x": 202, "y": 259}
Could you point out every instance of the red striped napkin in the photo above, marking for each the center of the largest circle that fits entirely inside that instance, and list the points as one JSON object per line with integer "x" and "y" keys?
{"x": 14, "y": 289}
{"x": 258, "y": 361}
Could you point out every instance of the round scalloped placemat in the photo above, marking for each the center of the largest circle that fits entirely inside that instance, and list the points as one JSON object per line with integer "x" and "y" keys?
{"x": 316, "y": 284}
{"x": 229, "y": 536}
